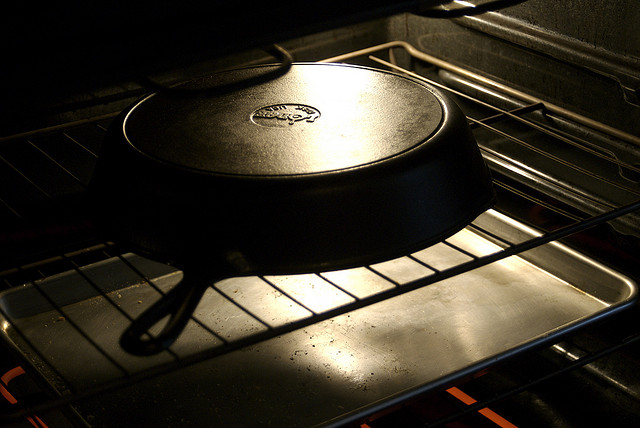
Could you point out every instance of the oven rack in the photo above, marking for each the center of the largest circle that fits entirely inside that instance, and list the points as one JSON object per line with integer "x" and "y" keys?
{"x": 74, "y": 171}
{"x": 556, "y": 366}
{"x": 69, "y": 396}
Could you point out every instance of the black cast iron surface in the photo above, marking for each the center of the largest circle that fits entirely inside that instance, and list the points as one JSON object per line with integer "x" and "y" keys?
{"x": 326, "y": 167}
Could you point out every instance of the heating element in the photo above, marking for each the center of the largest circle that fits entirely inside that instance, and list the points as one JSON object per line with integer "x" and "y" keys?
{"x": 356, "y": 341}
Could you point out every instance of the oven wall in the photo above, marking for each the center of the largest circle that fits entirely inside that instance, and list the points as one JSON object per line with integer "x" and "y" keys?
{"x": 583, "y": 55}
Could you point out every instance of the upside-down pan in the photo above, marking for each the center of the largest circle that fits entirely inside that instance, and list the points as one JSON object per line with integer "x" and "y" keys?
{"x": 326, "y": 167}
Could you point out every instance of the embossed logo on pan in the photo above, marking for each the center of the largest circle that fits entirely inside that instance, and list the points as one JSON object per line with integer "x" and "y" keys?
{"x": 285, "y": 115}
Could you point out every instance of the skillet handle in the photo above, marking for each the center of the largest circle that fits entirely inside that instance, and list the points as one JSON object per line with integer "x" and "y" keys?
{"x": 179, "y": 304}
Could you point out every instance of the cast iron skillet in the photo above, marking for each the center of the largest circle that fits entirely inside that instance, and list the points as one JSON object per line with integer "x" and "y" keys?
{"x": 327, "y": 167}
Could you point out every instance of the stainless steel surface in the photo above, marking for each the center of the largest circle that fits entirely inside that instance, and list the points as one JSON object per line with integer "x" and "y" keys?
{"x": 578, "y": 68}
{"x": 599, "y": 36}
{"x": 344, "y": 365}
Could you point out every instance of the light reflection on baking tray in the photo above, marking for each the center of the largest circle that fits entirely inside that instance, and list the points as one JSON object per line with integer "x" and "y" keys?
{"x": 455, "y": 324}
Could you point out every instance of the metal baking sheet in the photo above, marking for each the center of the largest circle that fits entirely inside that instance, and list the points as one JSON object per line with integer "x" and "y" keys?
{"x": 320, "y": 374}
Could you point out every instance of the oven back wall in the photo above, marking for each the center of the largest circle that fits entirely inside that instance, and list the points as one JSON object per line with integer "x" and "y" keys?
{"x": 583, "y": 55}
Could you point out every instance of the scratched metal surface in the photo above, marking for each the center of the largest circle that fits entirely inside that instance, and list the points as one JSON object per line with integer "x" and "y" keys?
{"x": 334, "y": 368}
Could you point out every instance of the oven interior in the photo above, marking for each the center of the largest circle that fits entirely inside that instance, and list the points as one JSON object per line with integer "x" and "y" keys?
{"x": 527, "y": 317}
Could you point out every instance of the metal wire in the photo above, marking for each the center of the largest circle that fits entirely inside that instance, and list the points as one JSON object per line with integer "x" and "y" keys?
{"x": 58, "y": 164}
{"x": 556, "y": 158}
{"x": 504, "y": 89}
{"x": 147, "y": 280}
{"x": 270, "y": 332}
{"x": 468, "y": 9}
{"x": 95, "y": 155}
{"x": 283, "y": 57}
{"x": 580, "y": 362}
{"x": 27, "y": 179}
{"x": 514, "y": 249}
{"x": 510, "y": 114}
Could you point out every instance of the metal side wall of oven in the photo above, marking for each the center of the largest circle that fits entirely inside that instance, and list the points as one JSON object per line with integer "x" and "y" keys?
{"x": 551, "y": 167}
{"x": 578, "y": 58}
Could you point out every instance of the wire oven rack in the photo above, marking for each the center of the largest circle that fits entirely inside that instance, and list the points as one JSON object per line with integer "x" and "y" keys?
{"x": 49, "y": 171}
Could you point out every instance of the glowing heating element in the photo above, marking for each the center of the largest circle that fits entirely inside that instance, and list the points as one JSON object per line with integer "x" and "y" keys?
{"x": 486, "y": 412}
